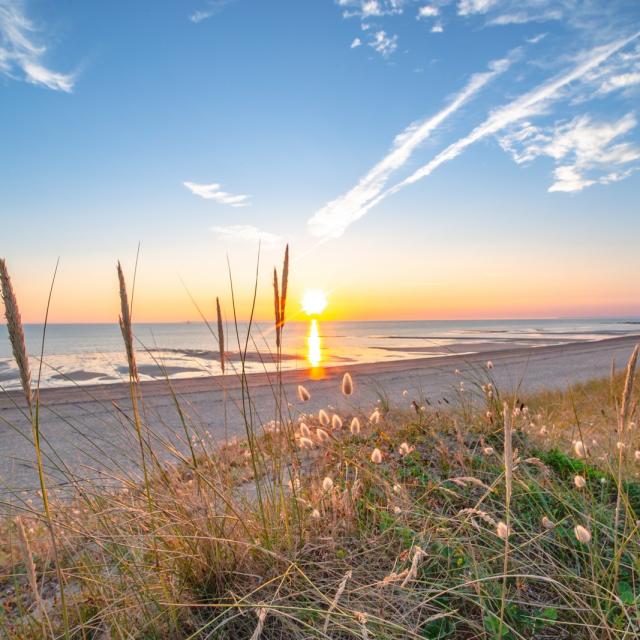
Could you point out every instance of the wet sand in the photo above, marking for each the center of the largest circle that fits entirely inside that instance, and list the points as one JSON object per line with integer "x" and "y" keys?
{"x": 87, "y": 428}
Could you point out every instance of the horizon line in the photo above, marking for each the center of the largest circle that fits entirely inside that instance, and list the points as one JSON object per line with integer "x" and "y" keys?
{"x": 477, "y": 319}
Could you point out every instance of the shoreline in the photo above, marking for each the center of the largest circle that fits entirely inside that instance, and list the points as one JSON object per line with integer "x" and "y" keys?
{"x": 114, "y": 391}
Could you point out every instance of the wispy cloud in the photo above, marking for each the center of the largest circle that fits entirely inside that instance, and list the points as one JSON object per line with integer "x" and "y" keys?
{"x": 622, "y": 81}
{"x": 200, "y": 14}
{"x": 214, "y": 192}
{"x": 595, "y": 19}
{"x": 337, "y": 215}
{"x": 428, "y": 11}
{"x": 469, "y": 7}
{"x": 536, "y": 39}
{"x": 209, "y": 10}
{"x": 523, "y": 17}
{"x": 370, "y": 8}
{"x": 526, "y": 106}
{"x": 21, "y": 57}
{"x": 371, "y": 13}
{"x": 248, "y": 233}
{"x": 583, "y": 149}
{"x": 383, "y": 43}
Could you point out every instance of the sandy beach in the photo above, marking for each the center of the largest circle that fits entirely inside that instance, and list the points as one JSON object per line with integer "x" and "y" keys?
{"x": 87, "y": 429}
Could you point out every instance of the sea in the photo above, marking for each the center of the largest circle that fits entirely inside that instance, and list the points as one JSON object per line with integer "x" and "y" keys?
{"x": 81, "y": 354}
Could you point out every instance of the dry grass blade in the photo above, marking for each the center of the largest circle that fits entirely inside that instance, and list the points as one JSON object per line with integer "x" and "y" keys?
{"x": 508, "y": 457}
{"x": 220, "y": 335}
{"x": 285, "y": 286}
{"x": 412, "y": 574}
{"x": 623, "y": 419}
{"x": 336, "y": 599}
{"x": 16, "y": 332}
{"x": 262, "y": 616}
{"x": 628, "y": 389}
{"x": 16, "y": 335}
{"x": 125, "y": 325}
{"x": 276, "y": 303}
{"x": 27, "y": 557}
{"x": 504, "y": 532}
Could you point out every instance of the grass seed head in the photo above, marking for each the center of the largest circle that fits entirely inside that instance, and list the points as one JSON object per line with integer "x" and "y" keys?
{"x": 579, "y": 449}
{"x": 405, "y": 449}
{"x": 502, "y": 530}
{"x": 15, "y": 330}
{"x": 347, "y": 384}
{"x": 303, "y": 393}
{"x": 582, "y": 534}
{"x": 306, "y": 443}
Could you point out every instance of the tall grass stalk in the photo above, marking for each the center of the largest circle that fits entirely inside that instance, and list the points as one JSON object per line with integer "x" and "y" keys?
{"x": 292, "y": 462}
{"x": 508, "y": 488}
{"x": 246, "y": 396}
{"x": 19, "y": 347}
{"x": 32, "y": 577}
{"x": 624, "y": 441}
{"x": 127, "y": 336}
{"x": 221, "y": 350}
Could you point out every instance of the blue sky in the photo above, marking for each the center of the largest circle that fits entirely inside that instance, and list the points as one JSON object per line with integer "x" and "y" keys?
{"x": 415, "y": 154}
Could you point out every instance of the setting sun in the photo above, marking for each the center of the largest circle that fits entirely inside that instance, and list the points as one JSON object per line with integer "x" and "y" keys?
{"x": 314, "y": 302}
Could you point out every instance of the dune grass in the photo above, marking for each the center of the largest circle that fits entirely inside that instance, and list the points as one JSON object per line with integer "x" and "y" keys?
{"x": 499, "y": 517}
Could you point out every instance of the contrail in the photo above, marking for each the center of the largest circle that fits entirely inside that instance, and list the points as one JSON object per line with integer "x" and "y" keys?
{"x": 337, "y": 215}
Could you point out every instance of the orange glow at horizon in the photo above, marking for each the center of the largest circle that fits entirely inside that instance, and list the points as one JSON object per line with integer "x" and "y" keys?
{"x": 89, "y": 294}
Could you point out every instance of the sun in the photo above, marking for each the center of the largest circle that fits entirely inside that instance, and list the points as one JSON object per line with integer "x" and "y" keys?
{"x": 314, "y": 302}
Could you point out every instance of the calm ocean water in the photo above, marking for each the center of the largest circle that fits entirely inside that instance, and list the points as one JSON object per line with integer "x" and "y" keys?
{"x": 93, "y": 353}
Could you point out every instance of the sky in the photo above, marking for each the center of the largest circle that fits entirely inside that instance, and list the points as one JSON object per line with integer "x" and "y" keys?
{"x": 444, "y": 159}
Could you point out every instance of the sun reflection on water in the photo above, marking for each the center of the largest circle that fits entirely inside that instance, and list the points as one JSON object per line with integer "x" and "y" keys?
{"x": 314, "y": 354}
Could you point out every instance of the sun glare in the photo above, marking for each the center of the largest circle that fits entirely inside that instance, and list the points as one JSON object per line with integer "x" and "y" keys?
{"x": 314, "y": 302}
